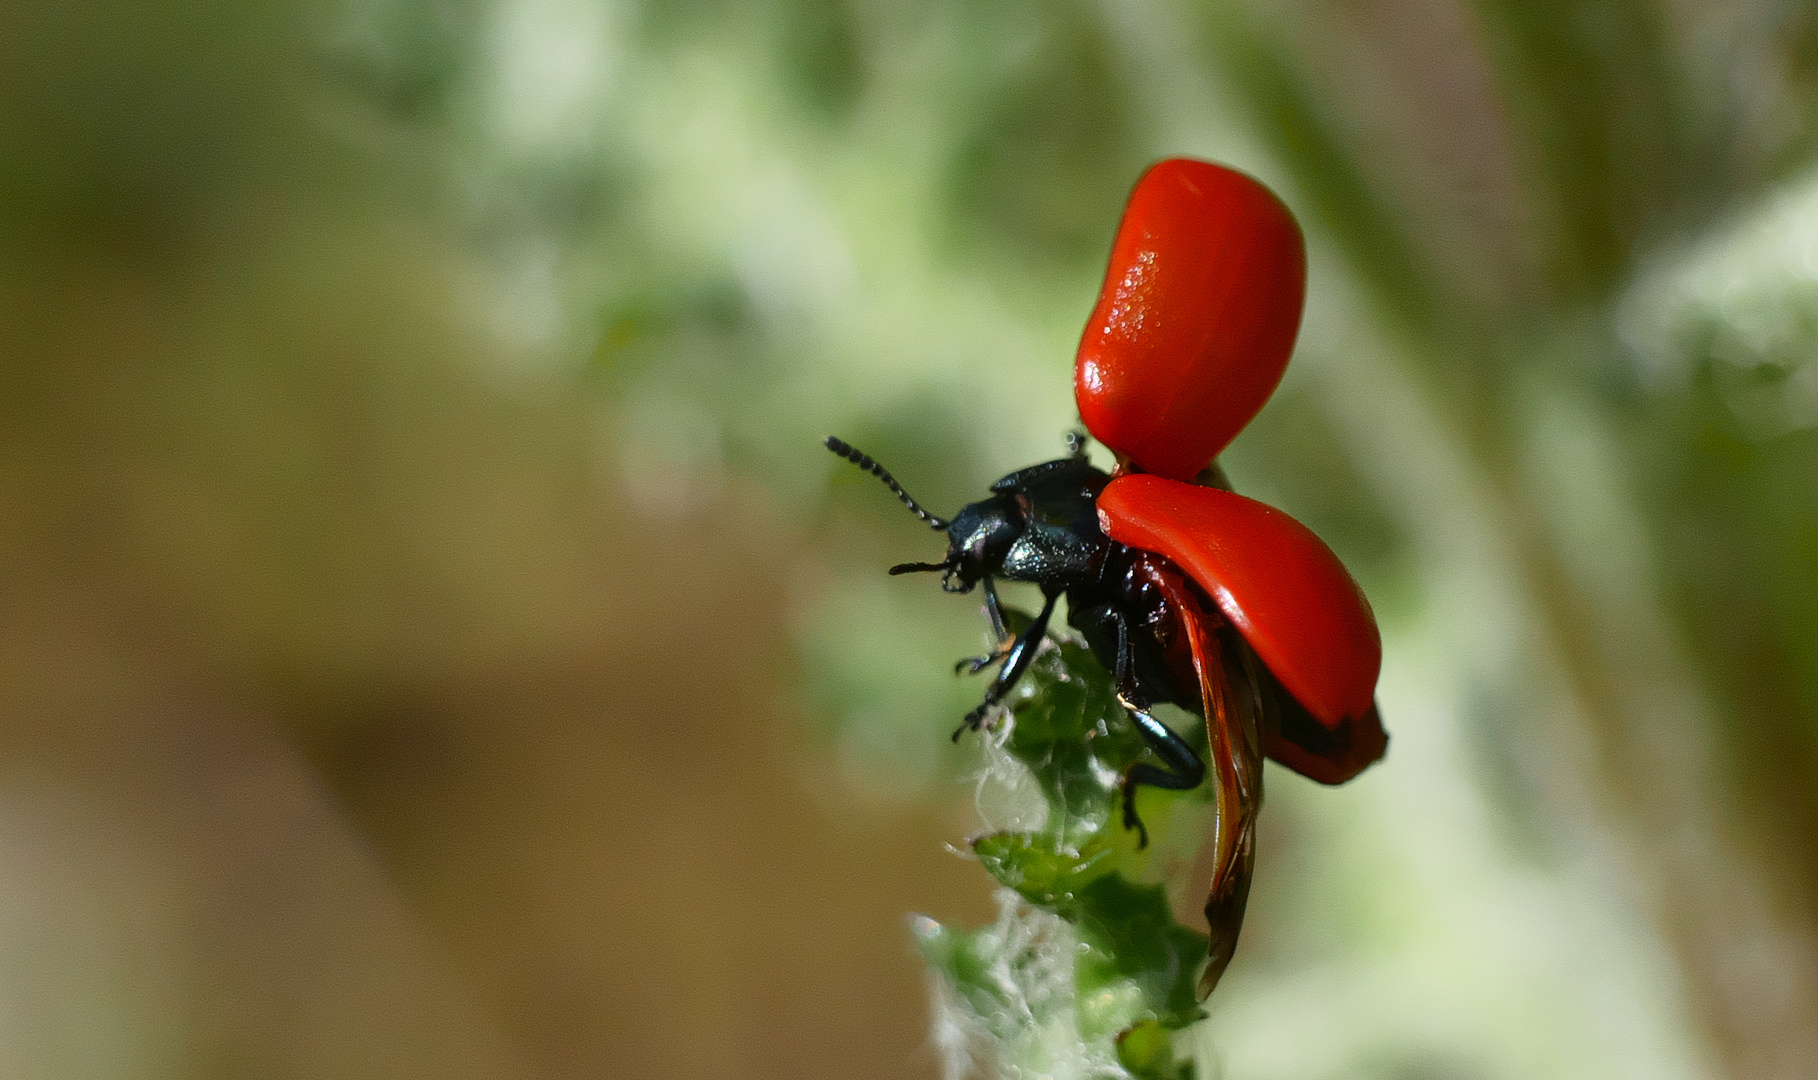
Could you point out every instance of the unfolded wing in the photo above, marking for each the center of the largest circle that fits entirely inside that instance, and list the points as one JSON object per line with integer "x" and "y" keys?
{"x": 1233, "y": 741}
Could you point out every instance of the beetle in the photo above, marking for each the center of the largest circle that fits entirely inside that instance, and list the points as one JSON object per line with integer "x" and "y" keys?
{"x": 1186, "y": 591}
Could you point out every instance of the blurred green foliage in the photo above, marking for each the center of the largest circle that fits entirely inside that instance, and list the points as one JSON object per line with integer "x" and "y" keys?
{"x": 279, "y": 279}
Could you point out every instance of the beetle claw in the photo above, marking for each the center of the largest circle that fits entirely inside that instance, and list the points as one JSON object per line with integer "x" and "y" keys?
{"x": 973, "y": 721}
{"x": 1131, "y": 820}
{"x": 972, "y": 665}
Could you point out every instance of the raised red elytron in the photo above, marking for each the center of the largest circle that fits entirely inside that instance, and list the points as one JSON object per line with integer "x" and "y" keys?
{"x": 1199, "y": 312}
{"x": 1186, "y": 592}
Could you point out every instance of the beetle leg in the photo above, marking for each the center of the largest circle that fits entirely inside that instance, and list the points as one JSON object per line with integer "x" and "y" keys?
{"x": 995, "y": 611}
{"x": 1016, "y": 661}
{"x": 972, "y": 665}
{"x": 1181, "y": 768}
{"x": 1124, "y": 677}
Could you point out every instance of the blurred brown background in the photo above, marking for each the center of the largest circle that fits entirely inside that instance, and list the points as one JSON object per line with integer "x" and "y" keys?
{"x": 432, "y": 642}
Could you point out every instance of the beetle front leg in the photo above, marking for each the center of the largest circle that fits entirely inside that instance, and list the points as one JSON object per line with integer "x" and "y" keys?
{"x": 1000, "y": 633}
{"x": 1016, "y": 661}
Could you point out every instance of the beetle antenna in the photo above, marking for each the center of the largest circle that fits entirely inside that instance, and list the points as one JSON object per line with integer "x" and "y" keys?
{"x": 864, "y": 461}
{"x": 918, "y": 567}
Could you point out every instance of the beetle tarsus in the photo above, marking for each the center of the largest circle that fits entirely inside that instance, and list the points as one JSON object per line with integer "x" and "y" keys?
{"x": 973, "y": 721}
{"x": 1131, "y": 820}
{"x": 972, "y": 665}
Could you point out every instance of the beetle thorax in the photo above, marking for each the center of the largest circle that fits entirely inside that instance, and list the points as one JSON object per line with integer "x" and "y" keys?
{"x": 1040, "y": 525}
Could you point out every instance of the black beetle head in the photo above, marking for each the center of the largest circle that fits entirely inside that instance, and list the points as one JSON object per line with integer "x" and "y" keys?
{"x": 978, "y": 539}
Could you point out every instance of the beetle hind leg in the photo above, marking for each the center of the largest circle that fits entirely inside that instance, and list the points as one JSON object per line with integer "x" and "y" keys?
{"x": 1181, "y": 768}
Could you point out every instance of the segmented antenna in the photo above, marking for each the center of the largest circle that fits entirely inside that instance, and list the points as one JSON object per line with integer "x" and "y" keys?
{"x": 863, "y": 461}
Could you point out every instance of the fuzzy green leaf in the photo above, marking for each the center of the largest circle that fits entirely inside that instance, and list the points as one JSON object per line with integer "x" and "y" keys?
{"x": 1131, "y": 934}
{"x": 1072, "y": 734}
{"x": 1111, "y": 975}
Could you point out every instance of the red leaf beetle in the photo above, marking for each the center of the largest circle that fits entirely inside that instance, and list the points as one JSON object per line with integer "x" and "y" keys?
{"x": 1186, "y": 592}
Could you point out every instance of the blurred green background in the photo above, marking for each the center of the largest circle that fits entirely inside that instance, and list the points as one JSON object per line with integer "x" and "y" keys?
{"x": 433, "y": 642}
